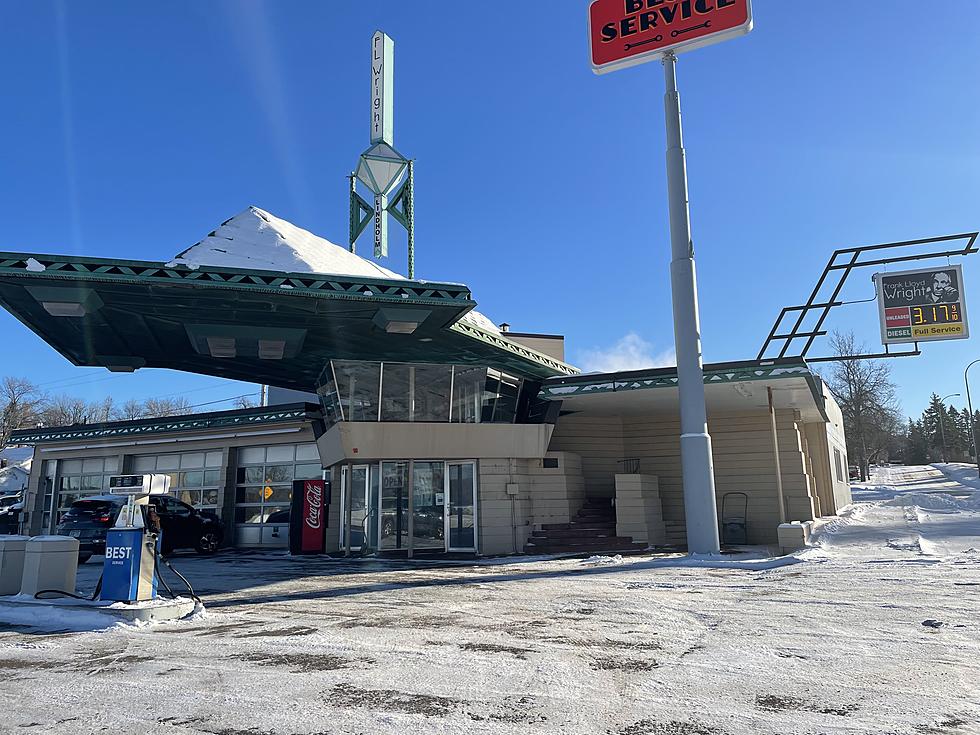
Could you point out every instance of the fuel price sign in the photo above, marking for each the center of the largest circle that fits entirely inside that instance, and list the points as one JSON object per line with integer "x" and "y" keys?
{"x": 922, "y": 305}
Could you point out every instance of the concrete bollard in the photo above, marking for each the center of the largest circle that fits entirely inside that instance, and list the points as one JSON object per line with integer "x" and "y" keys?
{"x": 11, "y": 563}
{"x": 50, "y": 563}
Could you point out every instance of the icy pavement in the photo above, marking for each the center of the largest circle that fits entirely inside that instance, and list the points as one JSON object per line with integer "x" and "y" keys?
{"x": 872, "y": 631}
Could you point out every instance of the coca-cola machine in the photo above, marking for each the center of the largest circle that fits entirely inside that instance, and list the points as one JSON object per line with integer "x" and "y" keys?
{"x": 308, "y": 519}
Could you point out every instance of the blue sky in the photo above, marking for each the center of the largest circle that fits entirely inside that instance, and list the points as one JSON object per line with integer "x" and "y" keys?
{"x": 131, "y": 130}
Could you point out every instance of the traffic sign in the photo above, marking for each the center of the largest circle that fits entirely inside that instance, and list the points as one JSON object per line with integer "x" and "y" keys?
{"x": 624, "y": 33}
{"x": 925, "y": 305}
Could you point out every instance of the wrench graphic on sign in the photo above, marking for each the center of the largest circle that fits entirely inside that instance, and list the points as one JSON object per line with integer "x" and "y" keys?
{"x": 656, "y": 38}
{"x": 675, "y": 34}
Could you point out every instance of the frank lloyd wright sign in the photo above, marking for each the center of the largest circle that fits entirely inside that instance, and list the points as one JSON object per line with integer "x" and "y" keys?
{"x": 924, "y": 305}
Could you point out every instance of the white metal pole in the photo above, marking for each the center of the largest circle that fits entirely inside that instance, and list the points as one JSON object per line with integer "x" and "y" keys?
{"x": 969, "y": 406}
{"x": 700, "y": 507}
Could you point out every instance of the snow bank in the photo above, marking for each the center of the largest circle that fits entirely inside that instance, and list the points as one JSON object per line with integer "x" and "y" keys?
{"x": 257, "y": 240}
{"x": 597, "y": 561}
{"x": 721, "y": 561}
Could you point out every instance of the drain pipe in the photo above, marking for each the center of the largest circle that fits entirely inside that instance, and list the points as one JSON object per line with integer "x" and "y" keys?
{"x": 775, "y": 453}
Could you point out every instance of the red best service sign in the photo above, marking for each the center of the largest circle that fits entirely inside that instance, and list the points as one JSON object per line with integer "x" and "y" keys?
{"x": 627, "y": 32}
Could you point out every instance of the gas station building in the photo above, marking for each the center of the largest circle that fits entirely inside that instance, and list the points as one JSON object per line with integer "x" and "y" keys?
{"x": 438, "y": 432}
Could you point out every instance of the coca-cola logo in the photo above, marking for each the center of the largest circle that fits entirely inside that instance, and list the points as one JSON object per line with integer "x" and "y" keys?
{"x": 314, "y": 505}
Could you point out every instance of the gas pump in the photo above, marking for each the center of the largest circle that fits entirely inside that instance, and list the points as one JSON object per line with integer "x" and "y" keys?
{"x": 132, "y": 545}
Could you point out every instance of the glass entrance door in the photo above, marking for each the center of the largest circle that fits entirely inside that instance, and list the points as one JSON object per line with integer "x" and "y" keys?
{"x": 428, "y": 504}
{"x": 354, "y": 487}
{"x": 393, "y": 518}
{"x": 461, "y": 506}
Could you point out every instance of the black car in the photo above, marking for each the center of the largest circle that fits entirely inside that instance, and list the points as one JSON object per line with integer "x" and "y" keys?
{"x": 183, "y": 527}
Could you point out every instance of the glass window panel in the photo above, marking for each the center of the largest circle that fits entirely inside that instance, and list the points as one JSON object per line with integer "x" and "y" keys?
{"x": 144, "y": 464}
{"x": 395, "y": 396}
{"x": 279, "y": 494}
{"x": 111, "y": 465}
{"x": 92, "y": 483}
{"x": 92, "y": 464}
{"x": 168, "y": 462}
{"x": 468, "y": 387}
{"x": 251, "y": 455}
{"x": 209, "y": 497}
{"x": 358, "y": 384}
{"x": 192, "y": 461}
{"x": 191, "y": 497}
{"x": 248, "y": 495}
{"x": 308, "y": 471}
{"x": 212, "y": 477}
{"x": 50, "y": 467}
{"x": 213, "y": 459}
{"x": 249, "y": 515}
{"x": 71, "y": 466}
{"x": 432, "y": 385}
{"x": 174, "y": 479}
{"x": 66, "y": 499}
{"x": 192, "y": 479}
{"x": 276, "y": 514}
{"x": 307, "y": 451}
{"x": 280, "y": 453}
{"x": 251, "y": 474}
{"x": 279, "y": 473}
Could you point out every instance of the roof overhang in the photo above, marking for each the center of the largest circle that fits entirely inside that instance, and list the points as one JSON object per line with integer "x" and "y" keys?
{"x": 257, "y": 326}
{"x": 729, "y": 387}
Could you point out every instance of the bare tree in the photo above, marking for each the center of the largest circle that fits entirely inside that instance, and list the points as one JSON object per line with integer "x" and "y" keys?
{"x": 245, "y": 402}
{"x": 166, "y": 406}
{"x": 64, "y": 410}
{"x": 866, "y": 394}
{"x": 130, "y": 410}
{"x": 20, "y": 403}
{"x": 102, "y": 410}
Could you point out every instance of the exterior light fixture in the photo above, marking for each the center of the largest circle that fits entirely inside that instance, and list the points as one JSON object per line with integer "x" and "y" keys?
{"x": 271, "y": 349}
{"x": 400, "y": 321}
{"x": 222, "y": 346}
{"x": 64, "y": 308}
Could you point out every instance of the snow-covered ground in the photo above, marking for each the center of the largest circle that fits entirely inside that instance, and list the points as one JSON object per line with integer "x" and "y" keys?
{"x": 874, "y": 629}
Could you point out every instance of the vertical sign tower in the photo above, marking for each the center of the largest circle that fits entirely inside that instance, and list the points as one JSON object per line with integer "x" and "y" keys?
{"x": 381, "y": 168}
{"x": 624, "y": 33}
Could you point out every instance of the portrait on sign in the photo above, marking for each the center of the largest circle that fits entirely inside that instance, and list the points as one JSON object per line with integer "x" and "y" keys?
{"x": 922, "y": 306}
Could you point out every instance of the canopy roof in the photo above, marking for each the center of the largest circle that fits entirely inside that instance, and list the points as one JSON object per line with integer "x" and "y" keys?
{"x": 264, "y": 326}
{"x": 731, "y": 386}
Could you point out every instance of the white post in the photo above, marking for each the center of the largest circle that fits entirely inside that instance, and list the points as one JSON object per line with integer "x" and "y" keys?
{"x": 969, "y": 406}
{"x": 775, "y": 452}
{"x": 700, "y": 507}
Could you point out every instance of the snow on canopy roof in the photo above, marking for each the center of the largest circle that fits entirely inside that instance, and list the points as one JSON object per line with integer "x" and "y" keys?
{"x": 257, "y": 240}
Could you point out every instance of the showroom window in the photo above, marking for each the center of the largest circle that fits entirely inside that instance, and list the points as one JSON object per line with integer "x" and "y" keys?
{"x": 195, "y": 477}
{"x": 351, "y": 390}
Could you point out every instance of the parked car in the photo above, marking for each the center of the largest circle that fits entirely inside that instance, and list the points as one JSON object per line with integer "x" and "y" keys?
{"x": 10, "y": 510}
{"x": 853, "y": 472}
{"x": 183, "y": 527}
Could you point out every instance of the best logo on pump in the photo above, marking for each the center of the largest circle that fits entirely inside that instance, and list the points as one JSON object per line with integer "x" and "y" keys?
{"x": 624, "y": 33}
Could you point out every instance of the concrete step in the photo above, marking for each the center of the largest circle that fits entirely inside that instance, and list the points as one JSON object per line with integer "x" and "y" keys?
{"x": 615, "y": 544}
{"x": 575, "y": 533}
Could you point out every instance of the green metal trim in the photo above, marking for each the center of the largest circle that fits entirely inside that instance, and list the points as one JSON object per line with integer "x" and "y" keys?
{"x": 496, "y": 340}
{"x": 159, "y": 426}
{"x": 601, "y": 384}
{"x": 307, "y": 284}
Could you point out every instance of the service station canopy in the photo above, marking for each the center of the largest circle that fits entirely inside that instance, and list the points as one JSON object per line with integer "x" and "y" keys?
{"x": 251, "y": 325}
